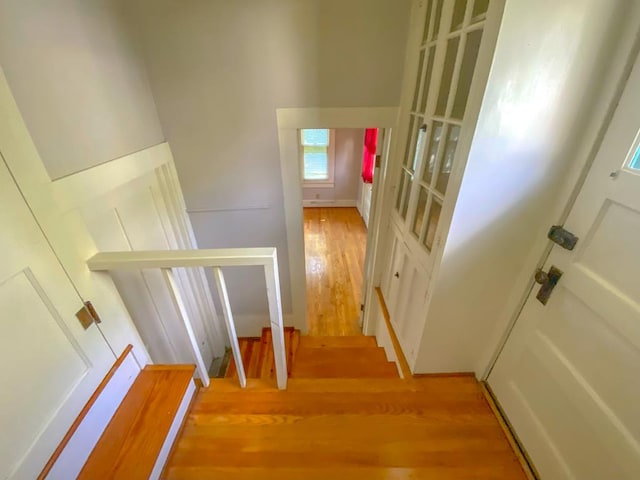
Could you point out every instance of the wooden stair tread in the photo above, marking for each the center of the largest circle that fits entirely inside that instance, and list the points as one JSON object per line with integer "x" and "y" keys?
{"x": 257, "y": 354}
{"x": 130, "y": 444}
{"x": 343, "y": 362}
{"x": 330, "y": 342}
{"x": 432, "y": 428}
{"x": 436, "y": 386}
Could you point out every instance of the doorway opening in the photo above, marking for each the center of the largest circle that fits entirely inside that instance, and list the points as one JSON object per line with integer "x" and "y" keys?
{"x": 337, "y": 169}
{"x": 290, "y": 122}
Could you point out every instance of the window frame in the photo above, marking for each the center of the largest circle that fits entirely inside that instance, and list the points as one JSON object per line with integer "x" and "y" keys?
{"x": 331, "y": 154}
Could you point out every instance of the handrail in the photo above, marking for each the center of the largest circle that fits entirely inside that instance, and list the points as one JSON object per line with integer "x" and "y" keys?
{"x": 215, "y": 259}
{"x": 206, "y": 257}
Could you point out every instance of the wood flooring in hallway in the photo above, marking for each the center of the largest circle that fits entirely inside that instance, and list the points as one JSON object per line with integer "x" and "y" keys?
{"x": 335, "y": 243}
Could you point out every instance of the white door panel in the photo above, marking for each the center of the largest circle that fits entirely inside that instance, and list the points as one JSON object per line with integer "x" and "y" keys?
{"x": 568, "y": 376}
{"x": 49, "y": 365}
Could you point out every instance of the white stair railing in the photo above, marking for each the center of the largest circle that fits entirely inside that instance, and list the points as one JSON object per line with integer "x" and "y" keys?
{"x": 166, "y": 260}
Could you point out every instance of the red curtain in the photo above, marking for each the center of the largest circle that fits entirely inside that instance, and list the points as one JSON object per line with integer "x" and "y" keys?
{"x": 369, "y": 156}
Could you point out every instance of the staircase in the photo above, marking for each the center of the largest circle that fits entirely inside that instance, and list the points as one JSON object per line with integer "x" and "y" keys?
{"x": 346, "y": 414}
{"x": 315, "y": 357}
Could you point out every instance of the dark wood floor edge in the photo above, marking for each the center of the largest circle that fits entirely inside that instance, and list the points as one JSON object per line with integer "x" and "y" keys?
{"x": 83, "y": 413}
{"x": 402, "y": 360}
{"x": 523, "y": 458}
{"x": 199, "y": 385}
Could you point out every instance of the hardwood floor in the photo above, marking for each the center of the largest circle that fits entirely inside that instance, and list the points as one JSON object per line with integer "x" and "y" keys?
{"x": 436, "y": 428}
{"x": 335, "y": 243}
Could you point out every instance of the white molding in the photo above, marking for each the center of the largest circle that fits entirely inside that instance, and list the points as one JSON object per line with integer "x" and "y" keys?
{"x": 79, "y": 188}
{"x": 86, "y": 436}
{"x": 178, "y": 420}
{"x": 289, "y": 121}
{"x": 204, "y": 257}
{"x": 350, "y": 117}
{"x": 329, "y": 203}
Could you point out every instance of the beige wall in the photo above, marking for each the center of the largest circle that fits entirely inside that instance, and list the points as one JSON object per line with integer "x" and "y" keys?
{"x": 349, "y": 143}
{"x": 219, "y": 69}
{"x": 80, "y": 87}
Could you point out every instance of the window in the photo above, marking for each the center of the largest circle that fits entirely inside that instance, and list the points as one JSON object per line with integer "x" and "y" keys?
{"x": 635, "y": 161}
{"x": 317, "y": 152}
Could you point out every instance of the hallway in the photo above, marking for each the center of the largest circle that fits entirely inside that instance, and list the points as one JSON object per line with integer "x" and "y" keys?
{"x": 335, "y": 243}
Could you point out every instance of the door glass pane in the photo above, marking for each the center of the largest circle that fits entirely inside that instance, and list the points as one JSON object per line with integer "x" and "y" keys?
{"x": 447, "y": 74}
{"x": 447, "y": 160}
{"x": 427, "y": 79}
{"x": 458, "y": 14}
{"x": 407, "y": 148}
{"x": 635, "y": 162}
{"x": 432, "y": 154}
{"x": 420, "y": 134}
{"x": 403, "y": 178}
{"x": 422, "y": 205}
{"x": 432, "y": 223}
{"x": 479, "y": 7}
{"x": 416, "y": 93}
{"x": 427, "y": 20}
{"x": 467, "y": 68}
{"x": 436, "y": 19}
{"x": 405, "y": 195}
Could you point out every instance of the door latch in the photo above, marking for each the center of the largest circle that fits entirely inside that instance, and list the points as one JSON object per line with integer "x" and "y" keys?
{"x": 548, "y": 281}
{"x": 558, "y": 235}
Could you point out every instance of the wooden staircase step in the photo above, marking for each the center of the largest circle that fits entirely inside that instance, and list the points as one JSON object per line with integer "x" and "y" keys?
{"x": 257, "y": 354}
{"x": 432, "y": 428}
{"x": 435, "y": 387}
{"x": 331, "y": 342}
{"x": 131, "y": 444}
{"x": 343, "y": 362}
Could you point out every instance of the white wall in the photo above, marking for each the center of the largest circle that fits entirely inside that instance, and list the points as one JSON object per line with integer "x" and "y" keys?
{"x": 349, "y": 145}
{"x": 80, "y": 87}
{"x": 218, "y": 71}
{"x": 555, "y": 67}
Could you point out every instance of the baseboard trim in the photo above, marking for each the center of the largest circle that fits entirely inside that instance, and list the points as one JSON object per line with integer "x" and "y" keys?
{"x": 402, "y": 360}
{"x": 525, "y": 464}
{"x": 80, "y": 432}
{"x": 174, "y": 431}
{"x": 329, "y": 203}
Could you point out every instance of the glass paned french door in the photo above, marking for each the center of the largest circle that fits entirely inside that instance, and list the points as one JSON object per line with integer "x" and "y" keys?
{"x": 446, "y": 62}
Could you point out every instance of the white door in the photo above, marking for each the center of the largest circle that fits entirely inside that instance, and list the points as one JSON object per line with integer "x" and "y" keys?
{"x": 448, "y": 35}
{"x": 568, "y": 377}
{"x": 49, "y": 365}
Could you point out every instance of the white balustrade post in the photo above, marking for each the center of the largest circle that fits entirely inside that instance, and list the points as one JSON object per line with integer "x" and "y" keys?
{"x": 231, "y": 327}
{"x": 277, "y": 323}
{"x": 170, "y": 281}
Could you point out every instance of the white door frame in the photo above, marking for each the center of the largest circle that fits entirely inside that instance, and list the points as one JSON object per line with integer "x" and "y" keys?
{"x": 618, "y": 72}
{"x": 290, "y": 120}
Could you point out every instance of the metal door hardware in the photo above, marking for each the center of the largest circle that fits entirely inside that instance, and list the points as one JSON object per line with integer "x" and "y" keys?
{"x": 548, "y": 281}
{"x": 87, "y": 315}
{"x": 557, "y": 234}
